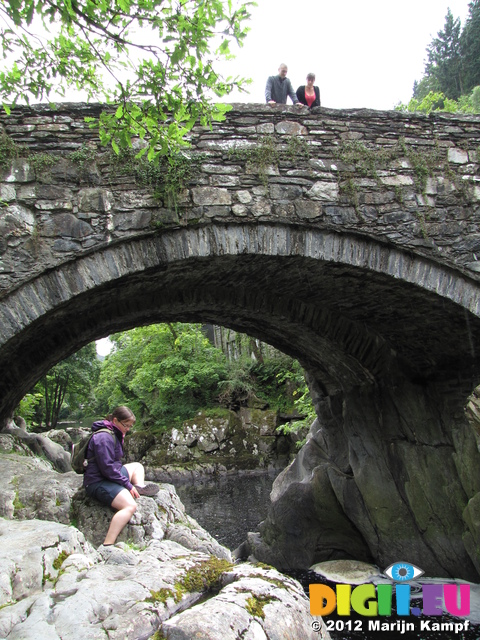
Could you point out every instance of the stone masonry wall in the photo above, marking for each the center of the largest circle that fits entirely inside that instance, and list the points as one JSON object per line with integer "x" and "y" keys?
{"x": 407, "y": 180}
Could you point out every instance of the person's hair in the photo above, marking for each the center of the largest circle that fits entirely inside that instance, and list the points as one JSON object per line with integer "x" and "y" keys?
{"x": 282, "y": 64}
{"x": 121, "y": 413}
{"x": 310, "y": 76}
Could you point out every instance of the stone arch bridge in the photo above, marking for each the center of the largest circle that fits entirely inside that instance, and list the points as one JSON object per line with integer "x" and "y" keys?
{"x": 348, "y": 239}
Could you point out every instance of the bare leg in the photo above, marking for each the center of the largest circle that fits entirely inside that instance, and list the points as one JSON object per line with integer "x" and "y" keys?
{"x": 136, "y": 473}
{"x": 126, "y": 507}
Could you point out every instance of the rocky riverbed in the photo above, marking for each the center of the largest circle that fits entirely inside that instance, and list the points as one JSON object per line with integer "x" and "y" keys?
{"x": 166, "y": 578}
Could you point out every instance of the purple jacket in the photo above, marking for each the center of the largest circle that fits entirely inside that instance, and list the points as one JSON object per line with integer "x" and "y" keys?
{"x": 107, "y": 454}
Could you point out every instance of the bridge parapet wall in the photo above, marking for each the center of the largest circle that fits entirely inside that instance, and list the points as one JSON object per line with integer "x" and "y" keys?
{"x": 411, "y": 181}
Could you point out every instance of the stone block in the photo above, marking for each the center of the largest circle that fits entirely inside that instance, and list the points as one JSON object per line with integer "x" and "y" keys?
{"x": 53, "y": 127}
{"x": 431, "y": 187}
{"x": 217, "y": 211}
{"x": 38, "y": 120}
{"x": 351, "y": 135}
{"x": 285, "y": 193}
{"x": 224, "y": 181}
{"x": 64, "y": 171}
{"x": 66, "y": 225}
{"x": 133, "y": 200}
{"x": 133, "y": 220}
{"x": 54, "y": 205}
{"x": 20, "y": 171}
{"x": 216, "y": 168}
{"x": 457, "y": 156}
{"x": 207, "y": 444}
{"x": 324, "y": 191}
{"x": 244, "y": 196}
{"x": 20, "y": 128}
{"x": 65, "y": 246}
{"x": 308, "y": 210}
{"x": 318, "y": 165}
{"x": 291, "y": 128}
{"x": 15, "y": 218}
{"x": 240, "y": 210}
{"x": 270, "y": 170}
{"x": 95, "y": 199}
{"x": 284, "y": 210}
{"x": 7, "y": 193}
{"x": 211, "y": 195}
{"x": 398, "y": 180}
{"x": 266, "y": 128}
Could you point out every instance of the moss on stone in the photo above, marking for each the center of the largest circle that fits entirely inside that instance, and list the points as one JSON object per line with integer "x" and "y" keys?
{"x": 255, "y": 604}
{"x": 41, "y": 163}
{"x": 162, "y": 595}
{"x": 203, "y": 576}
{"x": 17, "y": 504}
{"x": 59, "y": 560}
{"x": 9, "y": 150}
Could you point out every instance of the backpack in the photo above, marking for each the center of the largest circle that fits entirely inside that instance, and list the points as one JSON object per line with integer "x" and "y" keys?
{"x": 78, "y": 460}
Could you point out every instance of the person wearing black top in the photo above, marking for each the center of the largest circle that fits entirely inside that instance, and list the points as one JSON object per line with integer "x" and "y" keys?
{"x": 308, "y": 94}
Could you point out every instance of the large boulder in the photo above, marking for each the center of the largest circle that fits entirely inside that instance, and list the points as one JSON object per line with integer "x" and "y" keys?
{"x": 61, "y": 437}
{"x": 55, "y": 586}
{"x": 41, "y": 446}
{"x": 157, "y": 518}
{"x": 30, "y": 488}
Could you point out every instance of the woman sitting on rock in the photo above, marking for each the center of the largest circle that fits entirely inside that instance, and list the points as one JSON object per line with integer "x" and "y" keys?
{"x": 105, "y": 478}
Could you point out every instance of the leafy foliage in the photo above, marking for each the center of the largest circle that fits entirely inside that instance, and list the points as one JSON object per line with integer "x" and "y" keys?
{"x": 154, "y": 61}
{"x": 166, "y": 373}
{"x": 69, "y": 383}
{"x": 163, "y": 372}
{"x": 438, "y": 101}
{"x": 453, "y": 59}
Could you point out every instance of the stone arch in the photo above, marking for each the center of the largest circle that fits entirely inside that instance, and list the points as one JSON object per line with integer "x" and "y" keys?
{"x": 187, "y": 273}
{"x": 388, "y": 339}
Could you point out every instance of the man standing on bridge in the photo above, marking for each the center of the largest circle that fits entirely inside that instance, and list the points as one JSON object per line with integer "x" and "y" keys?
{"x": 279, "y": 88}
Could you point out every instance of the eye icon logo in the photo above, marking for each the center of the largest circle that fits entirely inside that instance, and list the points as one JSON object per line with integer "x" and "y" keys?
{"x": 403, "y": 572}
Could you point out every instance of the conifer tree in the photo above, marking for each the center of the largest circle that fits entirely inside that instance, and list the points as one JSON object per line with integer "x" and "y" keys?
{"x": 470, "y": 42}
{"x": 445, "y": 63}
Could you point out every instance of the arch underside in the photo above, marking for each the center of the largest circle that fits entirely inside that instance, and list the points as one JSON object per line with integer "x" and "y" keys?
{"x": 348, "y": 308}
{"x": 389, "y": 341}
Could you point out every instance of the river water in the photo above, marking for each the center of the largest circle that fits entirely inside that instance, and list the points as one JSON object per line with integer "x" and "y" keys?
{"x": 229, "y": 507}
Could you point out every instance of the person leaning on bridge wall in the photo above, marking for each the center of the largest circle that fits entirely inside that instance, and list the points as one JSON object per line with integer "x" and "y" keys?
{"x": 105, "y": 478}
{"x": 279, "y": 88}
{"x": 308, "y": 94}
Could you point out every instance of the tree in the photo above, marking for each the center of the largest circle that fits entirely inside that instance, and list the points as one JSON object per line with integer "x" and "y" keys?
{"x": 471, "y": 46}
{"x": 154, "y": 60}
{"x": 164, "y": 373}
{"x": 437, "y": 101}
{"x": 445, "y": 59}
{"x": 70, "y": 382}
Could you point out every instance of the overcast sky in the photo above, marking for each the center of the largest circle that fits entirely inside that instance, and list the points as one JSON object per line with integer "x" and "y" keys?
{"x": 364, "y": 53}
